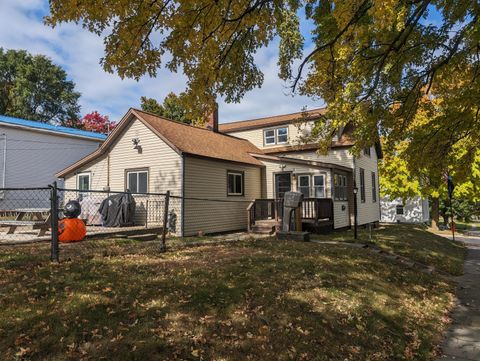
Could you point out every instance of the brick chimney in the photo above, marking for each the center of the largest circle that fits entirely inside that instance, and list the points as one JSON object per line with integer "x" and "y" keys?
{"x": 212, "y": 120}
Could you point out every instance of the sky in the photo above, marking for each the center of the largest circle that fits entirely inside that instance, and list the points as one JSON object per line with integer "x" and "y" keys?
{"x": 78, "y": 52}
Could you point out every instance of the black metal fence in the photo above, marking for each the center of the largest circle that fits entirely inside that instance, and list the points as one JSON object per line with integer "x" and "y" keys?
{"x": 34, "y": 215}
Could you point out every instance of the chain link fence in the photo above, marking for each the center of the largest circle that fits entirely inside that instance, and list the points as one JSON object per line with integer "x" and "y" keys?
{"x": 41, "y": 215}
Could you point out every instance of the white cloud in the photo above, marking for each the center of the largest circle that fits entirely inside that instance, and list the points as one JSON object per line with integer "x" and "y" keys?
{"x": 79, "y": 53}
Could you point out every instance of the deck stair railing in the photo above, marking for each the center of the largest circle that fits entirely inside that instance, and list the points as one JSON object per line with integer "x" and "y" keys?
{"x": 313, "y": 210}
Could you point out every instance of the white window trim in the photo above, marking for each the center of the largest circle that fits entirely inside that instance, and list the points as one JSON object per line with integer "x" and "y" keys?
{"x": 309, "y": 183}
{"x": 324, "y": 175}
{"x": 137, "y": 172}
{"x": 275, "y": 136}
{"x": 89, "y": 174}
{"x": 242, "y": 187}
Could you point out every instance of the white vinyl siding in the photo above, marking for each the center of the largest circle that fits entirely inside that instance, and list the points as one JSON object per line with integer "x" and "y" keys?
{"x": 257, "y": 136}
{"x": 32, "y": 159}
{"x": 163, "y": 163}
{"x": 414, "y": 210}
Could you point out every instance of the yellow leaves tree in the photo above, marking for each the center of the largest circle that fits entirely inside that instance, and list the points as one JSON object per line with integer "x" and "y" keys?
{"x": 362, "y": 57}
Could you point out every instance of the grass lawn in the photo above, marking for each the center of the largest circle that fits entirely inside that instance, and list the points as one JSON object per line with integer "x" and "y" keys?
{"x": 466, "y": 225}
{"x": 251, "y": 300}
{"x": 413, "y": 241}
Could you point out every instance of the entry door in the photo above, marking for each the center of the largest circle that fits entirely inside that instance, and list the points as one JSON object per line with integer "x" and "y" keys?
{"x": 283, "y": 183}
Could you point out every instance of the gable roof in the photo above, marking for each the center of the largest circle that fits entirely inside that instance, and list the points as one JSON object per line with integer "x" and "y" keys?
{"x": 181, "y": 137}
{"x": 44, "y": 127}
{"x": 200, "y": 141}
{"x": 271, "y": 121}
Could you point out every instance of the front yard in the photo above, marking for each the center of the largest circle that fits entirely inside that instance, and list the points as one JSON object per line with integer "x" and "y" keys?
{"x": 412, "y": 241}
{"x": 255, "y": 300}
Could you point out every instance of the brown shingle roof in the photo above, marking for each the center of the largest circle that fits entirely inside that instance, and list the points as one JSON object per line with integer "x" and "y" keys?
{"x": 271, "y": 121}
{"x": 200, "y": 141}
{"x": 183, "y": 138}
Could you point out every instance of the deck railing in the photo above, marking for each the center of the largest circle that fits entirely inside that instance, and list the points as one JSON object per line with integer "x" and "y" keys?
{"x": 264, "y": 209}
{"x": 317, "y": 209}
{"x": 313, "y": 209}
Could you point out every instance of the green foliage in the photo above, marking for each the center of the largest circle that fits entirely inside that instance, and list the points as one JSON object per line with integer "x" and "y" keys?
{"x": 462, "y": 209}
{"x": 171, "y": 108}
{"x": 373, "y": 62}
{"x": 34, "y": 88}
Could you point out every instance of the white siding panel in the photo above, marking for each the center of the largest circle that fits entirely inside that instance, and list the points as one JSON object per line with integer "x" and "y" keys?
{"x": 296, "y": 169}
{"x": 340, "y": 216}
{"x": 339, "y": 156}
{"x": 164, "y": 170}
{"x": 295, "y": 135}
{"x": 206, "y": 178}
{"x": 415, "y": 210}
{"x": 32, "y": 160}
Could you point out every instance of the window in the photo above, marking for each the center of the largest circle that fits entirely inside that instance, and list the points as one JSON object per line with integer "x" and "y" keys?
{"x": 304, "y": 185}
{"x": 319, "y": 186}
{"x": 137, "y": 181}
{"x": 362, "y": 185}
{"x": 374, "y": 187}
{"x": 400, "y": 210}
{"x": 340, "y": 187}
{"x": 269, "y": 137}
{"x": 235, "y": 183}
{"x": 83, "y": 182}
{"x": 275, "y": 136}
{"x": 366, "y": 151}
{"x": 282, "y": 135}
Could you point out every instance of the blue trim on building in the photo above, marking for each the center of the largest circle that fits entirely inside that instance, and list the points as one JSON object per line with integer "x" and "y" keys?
{"x": 50, "y": 128}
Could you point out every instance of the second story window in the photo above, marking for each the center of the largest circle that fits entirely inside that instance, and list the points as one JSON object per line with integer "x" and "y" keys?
{"x": 269, "y": 136}
{"x": 275, "y": 136}
{"x": 282, "y": 135}
{"x": 366, "y": 151}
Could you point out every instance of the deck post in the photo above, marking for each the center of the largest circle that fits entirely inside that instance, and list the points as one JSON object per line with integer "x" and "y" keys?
{"x": 163, "y": 247}
{"x": 54, "y": 249}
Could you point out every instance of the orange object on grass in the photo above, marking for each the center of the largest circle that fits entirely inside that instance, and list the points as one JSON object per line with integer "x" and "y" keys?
{"x": 71, "y": 230}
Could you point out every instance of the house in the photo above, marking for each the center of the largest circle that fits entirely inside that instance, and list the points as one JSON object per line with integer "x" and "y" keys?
{"x": 215, "y": 175}
{"x": 32, "y": 152}
{"x": 290, "y": 164}
{"x": 411, "y": 210}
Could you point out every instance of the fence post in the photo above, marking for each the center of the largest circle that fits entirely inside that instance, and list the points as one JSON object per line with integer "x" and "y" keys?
{"x": 146, "y": 213}
{"x": 163, "y": 247}
{"x": 54, "y": 250}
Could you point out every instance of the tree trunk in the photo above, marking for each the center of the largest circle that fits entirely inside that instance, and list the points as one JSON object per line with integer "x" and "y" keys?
{"x": 435, "y": 213}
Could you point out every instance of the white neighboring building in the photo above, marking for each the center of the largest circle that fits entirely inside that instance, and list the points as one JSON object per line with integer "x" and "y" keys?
{"x": 32, "y": 152}
{"x": 413, "y": 210}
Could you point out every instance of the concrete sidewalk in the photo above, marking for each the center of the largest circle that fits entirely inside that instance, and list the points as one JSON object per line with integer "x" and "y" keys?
{"x": 462, "y": 340}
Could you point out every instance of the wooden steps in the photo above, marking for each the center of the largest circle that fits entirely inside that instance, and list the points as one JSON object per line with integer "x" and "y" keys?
{"x": 266, "y": 226}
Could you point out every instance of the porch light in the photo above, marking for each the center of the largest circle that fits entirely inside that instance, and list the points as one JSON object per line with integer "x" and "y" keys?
{"x": 355, "y": 190}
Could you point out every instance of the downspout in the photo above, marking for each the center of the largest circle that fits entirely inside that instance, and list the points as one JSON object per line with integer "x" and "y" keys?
{"x": 4, "y": 170}
{"x": 183, "y": 196}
